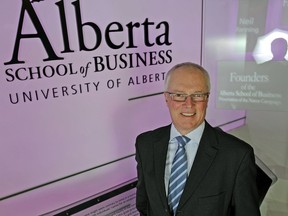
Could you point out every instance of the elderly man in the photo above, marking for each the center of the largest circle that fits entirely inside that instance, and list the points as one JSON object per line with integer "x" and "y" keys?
{"x": 189, "y": 168}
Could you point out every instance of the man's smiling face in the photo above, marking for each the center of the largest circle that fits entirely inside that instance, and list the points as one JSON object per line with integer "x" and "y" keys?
{"x": 187, "y": 115}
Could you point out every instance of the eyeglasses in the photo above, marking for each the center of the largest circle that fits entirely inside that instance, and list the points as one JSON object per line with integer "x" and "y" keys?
{"x": 196, "y": 97}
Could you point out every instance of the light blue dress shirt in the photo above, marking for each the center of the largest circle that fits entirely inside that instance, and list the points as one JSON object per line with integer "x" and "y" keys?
{"x": 191, "y": 149}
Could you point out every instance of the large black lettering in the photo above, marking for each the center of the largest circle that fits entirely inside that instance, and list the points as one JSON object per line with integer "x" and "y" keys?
{"x": 146, "y": 25}
{"x": 10, "y": 75}
{"x": 60, "y": 5}
{"x": 80, "y": 26}
{"x": 119, "y": 28}
{"x": 165, "y": 35}
{"x": 98, "y": 62}
{"x": 26, "y": 6}
{"x": 130, "y": 27}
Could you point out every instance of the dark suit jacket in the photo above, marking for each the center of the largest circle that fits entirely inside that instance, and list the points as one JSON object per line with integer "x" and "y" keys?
{"x": 222, "y": 181}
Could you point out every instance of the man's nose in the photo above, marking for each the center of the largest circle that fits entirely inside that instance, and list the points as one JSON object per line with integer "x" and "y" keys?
{"x": 189, "y": 101}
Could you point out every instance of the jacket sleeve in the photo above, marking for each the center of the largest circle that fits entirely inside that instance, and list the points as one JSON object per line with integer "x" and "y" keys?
{"x": 245, "y": 195}
{"x": 141, "y": 195}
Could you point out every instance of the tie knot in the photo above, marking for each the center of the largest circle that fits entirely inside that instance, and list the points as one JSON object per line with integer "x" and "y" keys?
{"x": 182, "y": 140}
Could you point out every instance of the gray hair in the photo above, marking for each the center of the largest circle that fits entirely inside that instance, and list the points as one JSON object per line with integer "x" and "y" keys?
{"x": 187, "y": 65}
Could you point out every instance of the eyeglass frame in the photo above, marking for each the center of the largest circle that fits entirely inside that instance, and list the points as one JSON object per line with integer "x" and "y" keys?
{"x": 192, "y": 96}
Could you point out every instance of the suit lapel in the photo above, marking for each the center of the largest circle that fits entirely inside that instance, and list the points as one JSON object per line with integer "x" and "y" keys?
{"x": 160, "y": 152}
{"x": 204, "y": 157}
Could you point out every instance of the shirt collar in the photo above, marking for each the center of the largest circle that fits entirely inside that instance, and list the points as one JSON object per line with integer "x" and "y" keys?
{"x": 194, "y": 135}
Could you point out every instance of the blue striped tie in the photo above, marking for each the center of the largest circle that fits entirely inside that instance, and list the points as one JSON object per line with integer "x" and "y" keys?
{"x": 178, "y": 174}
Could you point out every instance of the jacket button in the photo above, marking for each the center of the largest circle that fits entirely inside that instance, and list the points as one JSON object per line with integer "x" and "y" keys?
{"x": 167, "y": 212}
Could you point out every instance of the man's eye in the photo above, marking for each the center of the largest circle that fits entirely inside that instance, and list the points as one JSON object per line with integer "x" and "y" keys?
{"x": 180, "y": 95}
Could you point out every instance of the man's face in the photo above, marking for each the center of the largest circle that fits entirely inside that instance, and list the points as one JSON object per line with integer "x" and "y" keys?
{"x": 188, "y": 115}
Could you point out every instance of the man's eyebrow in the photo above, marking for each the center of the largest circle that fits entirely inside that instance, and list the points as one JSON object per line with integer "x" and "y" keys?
{"x": 199, "y": 92}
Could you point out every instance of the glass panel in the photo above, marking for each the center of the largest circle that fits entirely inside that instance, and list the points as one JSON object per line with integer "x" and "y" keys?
{"x": 245, "y": 51}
